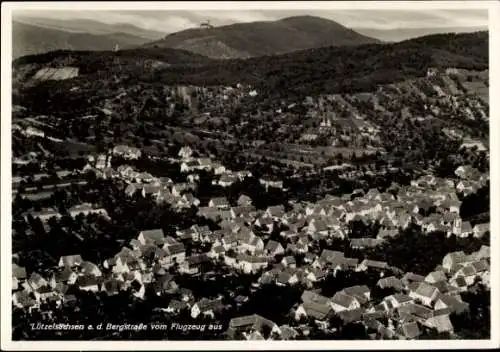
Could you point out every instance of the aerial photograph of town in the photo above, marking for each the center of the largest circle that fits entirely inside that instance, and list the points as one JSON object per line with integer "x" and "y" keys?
{"x": 250, "y": 175}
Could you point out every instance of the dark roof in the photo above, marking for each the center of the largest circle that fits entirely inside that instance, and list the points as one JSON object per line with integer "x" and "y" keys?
{"x": 317, "y": 310}
{"x": 254, "y": 321}
{"x": 272, "y": 245}
{"x": 425, "y": 289}
{"x": 18, "y": 272}
{"x": 331, "y": 256}
{"x": 206, "y": 304}
{"x": 156, "y": 236}
{"x": 198, "y": 259}
{"x": 351, "y": 316}
{"x": 175, "y": 248}
{"x": 342, "y": 299}
{"x": 409, "y": 330}
{"x": 83, "y": 281}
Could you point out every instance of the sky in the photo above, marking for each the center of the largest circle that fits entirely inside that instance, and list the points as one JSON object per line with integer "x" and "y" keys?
{"x": 173, "y": 21}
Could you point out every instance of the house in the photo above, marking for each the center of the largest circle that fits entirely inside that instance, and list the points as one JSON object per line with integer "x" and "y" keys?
{"x": 454, "y": 260}
{"x": 176, "y": 306}
{"x": 288, "y": 333}
{"x": 125, "y": 263}
{"x": 219, "y": 203}
{"x": 241, "y": 325}
{"x": 351, "y": 316}
{"x": 287, "y": 277}
{"x": 315, "y": 306}
{"x": 250, "y": 242}
{"x": 45, "y": 215}
{"x": 274, "y": 248}
{"x": 219, "y": 169}
{"x": 330, "y": 257}
{"x": 193, "y": 178}
{"x": 408, "y": 331}
{"x": 396, "y": 300}
{"x": 86, "y": 209}
{"x": 317, "y": 226}
{"x": 179, "y": 188}
{"x": 466, "y": 172}
{"x": 265, "y": 223}
{"x": 267, "y": 182}
{"x": 315, "y": 274}
{"x": 242, "y": 210}
{"x": 249, "y": 263}
{"x": 24, "y": 299}
{"x": 190, "y": 200}
{"x": 18, "y": 272}
{"x": 441, "y": 322}
{"x": 175, "y": 252}
{"x": 227, "y": 180}
{"x": 445, "y": 301}
{"x": 151, "y": 190}
{"x": 165, "y": 284}
{"x": 467, "y": 272}
{"x": 112, "y": 287}
{"x": 244, "y": 200}
{"x": 185, "y": 152}
{"x": 194, "y": 262}
{"x": 88, "y": 268}
{"x": 361, "y": 243}
{"x": 289, "y": 261}
{"x": 360, "y": 292}
{"x": 372, "y": 264}
{"x": 34, "y": 282}
{"x": 208, "y": 307}
{"x": 480, "y": 230}
{"x": 275, "y": 212}
{"x": 342, "y": 302}
{"x": 480, "y": 266}
{"x": 387, "y": 233}
{"x": 390, "y": 282}
{"x": 155, "y": 236}
{"x": 426, "y": 293}
{"x": 466, "y": 229}
{"x": 482, "y": 253}
{"x": 88, "y": 283}
{"x": 435, "y": 277}
{"x": 132, "y": 188}
{"x": 127, "y": 152}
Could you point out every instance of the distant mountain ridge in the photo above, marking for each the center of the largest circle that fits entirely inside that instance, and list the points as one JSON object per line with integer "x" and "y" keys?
{"x": 244, "y": 40}
{"x": 31, "y": 39}
{"x": 90, "y": 27}
{"x": 399, "y": 34}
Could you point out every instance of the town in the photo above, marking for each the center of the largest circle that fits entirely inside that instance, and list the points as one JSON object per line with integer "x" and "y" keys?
{"x": 238, "y": 212}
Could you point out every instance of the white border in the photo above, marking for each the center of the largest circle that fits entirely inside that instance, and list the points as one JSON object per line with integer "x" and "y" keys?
{"x": 5, "y": 223}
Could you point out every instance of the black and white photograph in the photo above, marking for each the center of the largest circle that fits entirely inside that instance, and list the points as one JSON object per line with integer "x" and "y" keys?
{"x": 249, "y": 175}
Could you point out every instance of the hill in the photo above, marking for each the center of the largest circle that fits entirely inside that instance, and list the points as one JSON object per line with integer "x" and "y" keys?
{"x": 341, "y": 69}
{"x": 80, "y": 25}
{"x": 399, "y": 34}
{"x": 244, "y": 40}
{"x": 309, "y": 72}
{"x": 31, "y": 39}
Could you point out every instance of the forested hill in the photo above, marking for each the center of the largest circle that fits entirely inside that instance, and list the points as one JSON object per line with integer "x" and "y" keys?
{"x": 309, "y": 72}
{"x": 243, "y": 40}
{"x": 342, "y": 69}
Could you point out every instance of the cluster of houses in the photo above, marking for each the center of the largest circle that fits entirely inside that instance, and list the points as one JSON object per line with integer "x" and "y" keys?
{"x": 416, "y": 303}
{"x": 80, "y": 209}
{"x": 244, "y": 243}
